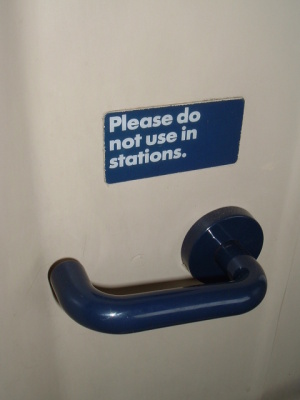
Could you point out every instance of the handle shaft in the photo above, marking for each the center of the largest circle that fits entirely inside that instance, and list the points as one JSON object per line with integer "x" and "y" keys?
{"x": 133, "y": 313}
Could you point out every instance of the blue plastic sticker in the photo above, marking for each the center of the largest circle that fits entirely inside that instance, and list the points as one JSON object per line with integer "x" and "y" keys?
{"x": 149, "y": 142}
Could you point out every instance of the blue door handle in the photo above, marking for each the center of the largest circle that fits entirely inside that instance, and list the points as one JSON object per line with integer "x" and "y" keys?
{"x": 220, "y": 250}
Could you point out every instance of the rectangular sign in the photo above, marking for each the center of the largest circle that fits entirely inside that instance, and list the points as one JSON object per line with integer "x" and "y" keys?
{"x": 149, "y": 142}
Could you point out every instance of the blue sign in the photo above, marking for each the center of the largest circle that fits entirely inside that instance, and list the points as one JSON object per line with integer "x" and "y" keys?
{"x": 149, "y": 142}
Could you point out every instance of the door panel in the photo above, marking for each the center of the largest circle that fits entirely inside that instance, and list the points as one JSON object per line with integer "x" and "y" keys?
{"x": 65, "y": 65}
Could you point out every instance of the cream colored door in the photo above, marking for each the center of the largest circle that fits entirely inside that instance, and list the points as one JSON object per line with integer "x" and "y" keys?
{"x": 64, "y": 64}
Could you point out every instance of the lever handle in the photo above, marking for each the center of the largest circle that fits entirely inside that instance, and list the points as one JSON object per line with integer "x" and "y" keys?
{"x": 221, "y": 247}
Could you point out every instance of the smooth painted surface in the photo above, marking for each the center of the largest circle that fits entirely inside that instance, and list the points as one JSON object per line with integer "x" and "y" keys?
{"x": 63, "y": 67}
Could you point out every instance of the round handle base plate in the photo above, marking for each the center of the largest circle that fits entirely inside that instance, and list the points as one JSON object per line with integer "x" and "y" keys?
{"x": 225, "y": 225}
